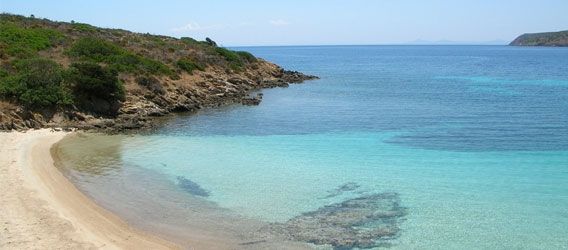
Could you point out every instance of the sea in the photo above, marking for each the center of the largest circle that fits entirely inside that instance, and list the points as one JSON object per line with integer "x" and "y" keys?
{"x": 394, "y": 147}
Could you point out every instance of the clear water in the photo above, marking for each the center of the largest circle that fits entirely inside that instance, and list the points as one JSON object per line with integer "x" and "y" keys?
{"x": 474, "y": 139}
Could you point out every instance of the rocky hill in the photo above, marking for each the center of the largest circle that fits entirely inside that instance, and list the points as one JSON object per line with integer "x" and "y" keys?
{"x": 74, "y": 75}
{"x": 551, "y": 39}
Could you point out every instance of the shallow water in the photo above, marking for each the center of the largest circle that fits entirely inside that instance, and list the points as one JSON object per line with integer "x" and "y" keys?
{"x": 473, "y": 140}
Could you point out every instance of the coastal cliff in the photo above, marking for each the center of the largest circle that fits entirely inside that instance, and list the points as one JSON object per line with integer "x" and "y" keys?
{"x": 550, "y": 39}
{"x": 74, "y": 75}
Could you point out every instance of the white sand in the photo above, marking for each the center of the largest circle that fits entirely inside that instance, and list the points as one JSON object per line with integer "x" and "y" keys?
{"x": 41, "y": 209}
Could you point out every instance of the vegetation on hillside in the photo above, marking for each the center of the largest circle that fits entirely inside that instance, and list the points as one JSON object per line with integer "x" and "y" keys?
{"x": 73, "y": 65}
{"x": 119, "y": 59}
{"x": 36, "y": 83}
{"x": 24, "y": 42}
{"x": 189, "y": 66}
{"x": 554, "y": 39}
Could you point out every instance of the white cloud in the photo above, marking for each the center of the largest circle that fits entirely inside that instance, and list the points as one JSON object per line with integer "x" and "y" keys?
{"x": 193, "y": 26}
{"x": 279, "y": 22}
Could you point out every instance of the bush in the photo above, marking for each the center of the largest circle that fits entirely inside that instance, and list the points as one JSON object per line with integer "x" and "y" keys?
{"x": 189, "y": 66}
{"x": 189, "y": 41}
{"x": 236, "y": 59}
{"x": 210, "y": 42}
{"x": 90, "y": 80}
{"x": 119, "y": 59}
{"x": 83, "y": 27}
{"x": 229, "y": 55}
{"x": 246, "y": 56}
{"x": 26, "y": 42}
{"x": 94, "y": 49}
{"x": 36, "y": 83}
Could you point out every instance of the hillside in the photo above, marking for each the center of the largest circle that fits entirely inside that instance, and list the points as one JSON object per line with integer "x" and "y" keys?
{"x": 60, "y": 74}
{"x": 552, "y": 39}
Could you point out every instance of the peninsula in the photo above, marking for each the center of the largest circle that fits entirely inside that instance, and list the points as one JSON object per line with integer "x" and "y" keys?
{"x": 74, "y": 75}
{"x": 550, "y": 39}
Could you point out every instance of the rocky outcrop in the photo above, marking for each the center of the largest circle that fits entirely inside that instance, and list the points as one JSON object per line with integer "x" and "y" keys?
{"x": 295, "y": 77}
{"x": 252, "y": 100}
{"x": 139, "y": 77}
{"x": 150, "y": 97}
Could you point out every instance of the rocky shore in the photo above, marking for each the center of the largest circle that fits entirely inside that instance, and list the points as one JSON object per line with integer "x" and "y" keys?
{"x": 151, "y": 97}
{"x": 70, "y": 75}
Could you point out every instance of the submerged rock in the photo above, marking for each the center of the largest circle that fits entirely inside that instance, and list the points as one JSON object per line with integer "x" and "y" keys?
{"x": 356, "y": 223}
{"x": 191, "y": 187}
{"x": 347, "y": 187}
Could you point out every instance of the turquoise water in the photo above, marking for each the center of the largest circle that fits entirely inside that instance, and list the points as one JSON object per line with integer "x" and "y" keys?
{"x": 473, "y": 139}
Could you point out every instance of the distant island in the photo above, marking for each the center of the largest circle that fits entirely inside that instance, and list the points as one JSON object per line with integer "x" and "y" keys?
{"x": 75, "y": 75}
{"x": 551, "y": 39}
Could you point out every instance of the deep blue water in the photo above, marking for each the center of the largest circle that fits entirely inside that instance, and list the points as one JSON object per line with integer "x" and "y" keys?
{"x": 474, "y": 139}
{"x": 459, "y": 98}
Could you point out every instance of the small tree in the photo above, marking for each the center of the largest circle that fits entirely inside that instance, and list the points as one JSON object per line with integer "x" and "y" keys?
{"x": 90, "y": 80}
{"x": 210, "y": 42}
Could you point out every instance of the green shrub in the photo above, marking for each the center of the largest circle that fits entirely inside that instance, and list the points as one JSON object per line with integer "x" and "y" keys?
{"x": 189, "y": 41}
{"x": 236, "y": 59}
{"x": 94, "y": 49}
{"x": 26, "y": 42}
{"x": 36, "y": 83}
{"x": 117, "y": 58}
{"x": 229, "y": 55}
{"x": 192, "y": 42}
{"x": 89, "y": 79}
{"x": 153, "y": 67}
{"x": 189, "y": 66}
{"x": 210, "y": 42}
{"x": 83, "y": 27}
{"x": 246, "y": 56}
{"x": 3, "y": 73}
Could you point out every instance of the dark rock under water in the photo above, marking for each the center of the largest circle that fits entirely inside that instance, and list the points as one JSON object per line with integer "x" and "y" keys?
{"x": 191, "y": 187}
{"x": 347, "y": 187}
{"x": 363, "y": 222}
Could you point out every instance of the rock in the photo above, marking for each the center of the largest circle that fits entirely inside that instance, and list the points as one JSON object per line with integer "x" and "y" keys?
{"x": 252, "y": 101}
{"x": 156, "y": 112}
{"x": 191, "y": 187}
{"x": 274, "y": 83}
{"x": 296, "y": 77}
{"x": 347, "y": 187}
{"x": 238, "y": 81}
{"x": 182, "y": 107}
{"x": 58, "y": 118}
{"x": 151, "y": 83}
{"x": 79, "y": 116}
{"x": 356, "y": 223}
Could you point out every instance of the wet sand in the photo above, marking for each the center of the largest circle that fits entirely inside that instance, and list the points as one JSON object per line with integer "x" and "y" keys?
{"x": 152, "y": 202}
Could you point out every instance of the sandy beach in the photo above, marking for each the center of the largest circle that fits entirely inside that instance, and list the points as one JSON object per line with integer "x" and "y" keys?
{"x": 42, "y": 209}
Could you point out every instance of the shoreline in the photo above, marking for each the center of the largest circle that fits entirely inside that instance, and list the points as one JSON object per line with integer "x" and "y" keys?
{"x": 42, "y": 208}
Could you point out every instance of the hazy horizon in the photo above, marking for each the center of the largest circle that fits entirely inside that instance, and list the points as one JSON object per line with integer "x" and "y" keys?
{"x": 359, "y": 22}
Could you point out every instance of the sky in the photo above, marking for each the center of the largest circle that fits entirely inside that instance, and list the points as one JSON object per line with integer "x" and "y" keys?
{"x": 313, "y": 22}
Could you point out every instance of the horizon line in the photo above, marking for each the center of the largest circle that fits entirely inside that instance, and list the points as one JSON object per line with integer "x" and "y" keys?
{"x": 354, "y": 45}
